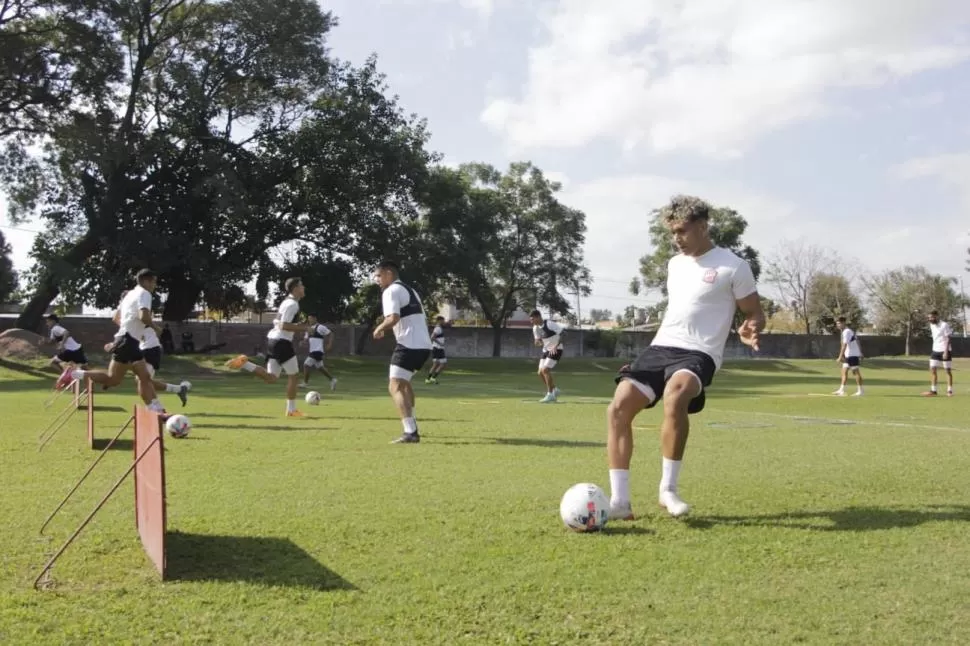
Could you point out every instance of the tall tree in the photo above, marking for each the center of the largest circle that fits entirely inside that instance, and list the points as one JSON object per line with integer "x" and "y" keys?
{"x": 597, "y": 315}
{"x": 511, "y": 243}
{"x": 903, "y": 297}
{"x": 792, "y": 269}
{"x": 829, "y": 297}
{"x": 8, "y": 277}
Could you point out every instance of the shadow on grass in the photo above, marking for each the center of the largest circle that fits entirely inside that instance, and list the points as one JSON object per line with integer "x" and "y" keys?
{"x": 390, "y": 418}
{"x": 108, "y": 409}
{"x": 250, "y": 559}
{"x": 850, "y": 519}
{"x": 519, "y": 441}
{"x": 231, "y": 415}
{"x": 121, "y": 444}
{"x": 298, "y": 425}
{"x": 612, "y": 530}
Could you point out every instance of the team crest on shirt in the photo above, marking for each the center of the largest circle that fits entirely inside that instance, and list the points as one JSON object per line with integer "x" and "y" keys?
{"x": 710, "y": 275}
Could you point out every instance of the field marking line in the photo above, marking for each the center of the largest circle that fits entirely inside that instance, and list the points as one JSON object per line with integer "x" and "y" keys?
{"x": 836, "y": 420}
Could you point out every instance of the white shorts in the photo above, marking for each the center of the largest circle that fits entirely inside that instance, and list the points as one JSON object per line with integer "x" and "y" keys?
{"x": 310, "y": 362}
{"x": 291, "y": 366}
{"x": 397, "y": 372}
{"x": 937, "y": 363}
{"x": 547, "y": 363}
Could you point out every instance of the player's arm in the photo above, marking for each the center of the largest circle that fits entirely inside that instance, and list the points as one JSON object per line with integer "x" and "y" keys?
{"x": 754, "y": 319}
{"x": 288, "y": 321}
{"x": 392, "y": 312}
{"x": 329, "y": 340}
{"x": 946, "y": 343}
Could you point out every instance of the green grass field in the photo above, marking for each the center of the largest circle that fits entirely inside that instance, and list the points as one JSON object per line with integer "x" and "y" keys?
{"x": 814, "y": 519}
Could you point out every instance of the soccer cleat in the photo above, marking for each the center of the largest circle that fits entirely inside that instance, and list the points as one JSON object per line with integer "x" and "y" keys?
{"x": 555, "y": 393}
{"x": 621, "y": 511}
{"x": 407, "y": 438}
{"x": 929, "y": 393}
{"x": 304, "y": 385}
{"x": 294, "y": 413}
{"x": 183, "y": 394}
{"x": 670, "y": 501}
{"x": 333, "y": 384}
{"x": 548, "y": 399}
{"x": 949, "y": 393}
{"x": 64, "y": 380}
{"x": 428, "y": 381}
{"x": 839, "y": 393}
{"x": 857, "y": 393}
{"x": 237, "y": 362}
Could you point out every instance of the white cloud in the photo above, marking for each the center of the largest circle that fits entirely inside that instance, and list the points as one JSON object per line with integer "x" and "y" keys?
{"x": 709, "y": 76}
{"x": 483, "y": 8}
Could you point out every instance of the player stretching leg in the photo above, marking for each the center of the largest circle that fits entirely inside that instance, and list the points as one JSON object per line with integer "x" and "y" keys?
{"x": 438, "y": 357}
{"x": 69, "y": 351}
{"x": 280, "y": 350}
{"x": 151, "y": 349}
{"x": 705, "y": 283}
{"x": 315, "y": 336}
{"x": 548, "y": 335}
{"x": 404, "y": 313}
{"x": 133, "y": 316}
{"x": 941, "y": 356}
{"x": 850, "y": 356}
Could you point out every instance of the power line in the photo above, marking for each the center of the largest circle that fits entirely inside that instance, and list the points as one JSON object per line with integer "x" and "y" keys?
{"x": 13, "y": 228}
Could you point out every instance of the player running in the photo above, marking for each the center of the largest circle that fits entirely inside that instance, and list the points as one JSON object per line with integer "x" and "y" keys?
{"x": 942, "y": 353}
{"x": 320, "y": 339}
{"x": 850, "y": 356}
{"x": 548, "y": 336}
{"x": 280, "y": 351}
{"x": 151, "y": 349}
{"x": 438, "y": 357}
{"x": 69, "y": 351}
{"x": 705, "y": 283}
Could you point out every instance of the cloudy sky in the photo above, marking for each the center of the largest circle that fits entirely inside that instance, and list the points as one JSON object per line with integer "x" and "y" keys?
{"x": 844, "y": 123}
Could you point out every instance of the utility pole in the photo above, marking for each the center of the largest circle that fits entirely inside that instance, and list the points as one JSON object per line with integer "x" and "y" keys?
{"x": 963, "y": 307}
{"x": 579, "y": 319}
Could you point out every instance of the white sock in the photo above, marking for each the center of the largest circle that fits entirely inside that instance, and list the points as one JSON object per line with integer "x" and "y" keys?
{"x": 77, "y": 374}
{"x": 410, "y": 425}
{"x": 172, "y": 388}
{"x": 249, "y": 366}
{"x": 156, "y": 406}
{"x": 290, "y": 405}
{"x": 932, "y": 389}
{"x": 671, "y": 471}
{"x": 619, "y": 486}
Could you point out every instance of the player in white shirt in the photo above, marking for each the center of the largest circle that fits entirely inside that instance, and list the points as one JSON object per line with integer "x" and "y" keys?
{"x": 320, "y": 339}
{"x": 404, "y": 314}
{"x": 548, "y": 336}
{"x": 850, "y": 356}
{"x": 133, "y": 316}
{"x": 69, "y": 350}
{"x": 438, "y": 357}
{"x": 280, "y": 350}
{"x": 941, "y": 355}
{"x": 151, "y": 349}
{"x": 705, "y": 284}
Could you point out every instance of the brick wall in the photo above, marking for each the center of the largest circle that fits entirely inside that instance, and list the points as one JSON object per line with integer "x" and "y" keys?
{"x": 477, "y": 342}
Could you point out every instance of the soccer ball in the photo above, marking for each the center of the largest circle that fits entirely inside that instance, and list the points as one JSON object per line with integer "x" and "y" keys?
{"x": 584, "y": 508}
{"x": 313, "y": 398}
{"x": 178, "y": 425}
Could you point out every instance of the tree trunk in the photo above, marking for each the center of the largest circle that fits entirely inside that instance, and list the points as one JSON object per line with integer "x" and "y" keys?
{"x": 183, "y": 296}
{"x": 497, "y": 339}
{"x": 49, "y": 287}
{"x": 365, "y": 337}
{"x": 908, "y": 334}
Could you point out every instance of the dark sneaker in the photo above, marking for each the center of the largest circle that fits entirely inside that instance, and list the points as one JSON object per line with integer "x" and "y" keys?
{"x": 183, "y": 395}
{"x": 407, "y": 438}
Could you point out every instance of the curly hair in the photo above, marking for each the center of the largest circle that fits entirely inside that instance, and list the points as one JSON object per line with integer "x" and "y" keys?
{"x": 686, "y": 208}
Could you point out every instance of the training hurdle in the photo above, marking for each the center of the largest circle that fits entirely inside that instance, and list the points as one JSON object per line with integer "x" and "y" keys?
{"x": 148, "y": 466}
{"x": 81, "y": 396}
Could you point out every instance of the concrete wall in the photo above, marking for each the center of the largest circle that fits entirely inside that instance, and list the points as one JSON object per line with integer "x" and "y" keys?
{"x": 477, "y": 342}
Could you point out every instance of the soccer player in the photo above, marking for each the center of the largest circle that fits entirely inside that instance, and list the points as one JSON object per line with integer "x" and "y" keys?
{"x": 279, "y": 349}
{"x": 320, "y": 339}
{"x": 69, "y": 350}
{"x": 134, "y": 314}
{"x": 705, "y": 283}
{"x": 151, "y": 349}
{"x": 404, "y": 314}
{"x": 438, "y": 358}
{"x": 941, "y": 356}
{"x": 850, "y": 356}
{"x": 548, "y": 336}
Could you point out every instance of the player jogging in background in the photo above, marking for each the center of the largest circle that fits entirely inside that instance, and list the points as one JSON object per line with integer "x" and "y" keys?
{"x": 706, "y": 284}
{"x": 281, "y": 354}
{"x": 133, "y": 316}
{"x": 548, "y": 336}
{"x": 320, "y": 339}
{"x": 850, "y": 356}
{"x": 151, "y": 349}
{"x": 69, "y": 351}
{"x": 941, "y": 355}
{"x": 438, "y": 357}
{"x": 404, "y": 314}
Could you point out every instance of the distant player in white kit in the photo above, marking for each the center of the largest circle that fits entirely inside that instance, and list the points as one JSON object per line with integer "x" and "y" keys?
{"x": 320, "y": 339}
{"x": 941, "y": 355}
{"x": 69, "y": 351}
{"x": 706, "y": 284}
{"x": 850, "y": 356}
{"x": 438, "y": 357}
{"x": 280, "y": 350}
{"x": 403, "y": 313}
{"x": 548, "y": 336}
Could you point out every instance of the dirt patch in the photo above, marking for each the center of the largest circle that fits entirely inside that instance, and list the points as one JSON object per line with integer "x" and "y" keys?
{"x": 20, "y": 345}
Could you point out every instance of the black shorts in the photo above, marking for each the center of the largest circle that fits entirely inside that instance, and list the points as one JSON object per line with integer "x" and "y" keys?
{"x": 555, "y": 355}
{"x": 281, "y": 350}
{"x": 853, "y": 362}
{"x": 657, "y": 364}
{"x": 317, "y": 355}
{"x": 153, "y": 357}
{"x": 437, "y": 354}
{"x": 76, "y": 357}
{"x": 125, "y": 350}
{"x": 409, "y": 359}
{"x": 938, "y": 356}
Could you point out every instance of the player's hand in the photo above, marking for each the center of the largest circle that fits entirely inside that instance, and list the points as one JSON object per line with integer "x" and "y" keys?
{"x": 750, "y": 336}
{"x": 108, "y": 347}
{"x": 378, "y": 333}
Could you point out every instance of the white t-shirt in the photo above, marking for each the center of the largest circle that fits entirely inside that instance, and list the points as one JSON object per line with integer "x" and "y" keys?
{"x": 852, "y": 348}
{"x": 149, "y": 339}
{"x": 58, "y": 333}
{"x": 130, "y": 309}
{"x": 702, "y": 298}
{"x": 941, "y": 336}
{"x": 438, "y": 338}
{"x": 410, "y": 331}
{"x": 550, "y": 343}
{"x": 287, "y": 312}
{"x": 316, "y": 342}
